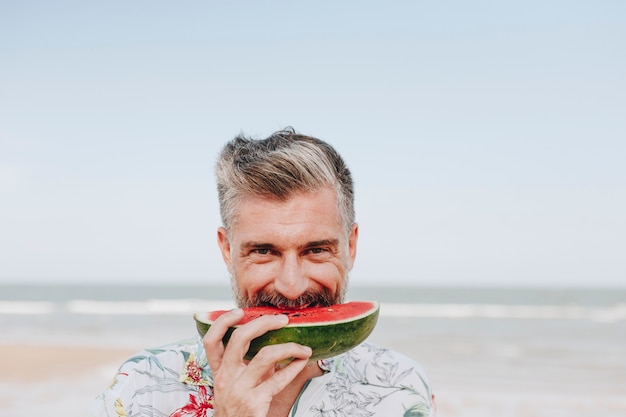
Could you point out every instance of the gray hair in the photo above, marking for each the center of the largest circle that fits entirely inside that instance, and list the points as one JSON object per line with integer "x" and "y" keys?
{"x": 279, "y": 166}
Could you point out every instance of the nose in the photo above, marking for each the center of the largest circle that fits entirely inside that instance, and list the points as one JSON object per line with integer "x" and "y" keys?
{"x": 291, "y": 280}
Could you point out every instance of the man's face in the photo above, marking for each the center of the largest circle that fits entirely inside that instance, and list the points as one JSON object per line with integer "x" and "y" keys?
{"x": 290, "y": 253}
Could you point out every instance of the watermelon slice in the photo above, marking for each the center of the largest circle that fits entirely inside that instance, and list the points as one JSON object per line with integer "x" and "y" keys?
{"x": 328, "y": 331}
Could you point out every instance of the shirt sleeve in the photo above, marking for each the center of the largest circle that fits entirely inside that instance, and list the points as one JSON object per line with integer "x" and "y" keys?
{"x": 147, "y": 384}
{"x": 111, "y": 402}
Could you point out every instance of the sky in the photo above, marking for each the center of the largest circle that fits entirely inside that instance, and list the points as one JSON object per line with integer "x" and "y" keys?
{"x": 487, "y": 139}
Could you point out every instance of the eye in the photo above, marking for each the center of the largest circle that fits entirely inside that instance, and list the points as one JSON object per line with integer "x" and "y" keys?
{"x": 261, "y": 251}
{"x": 316, "y": 251}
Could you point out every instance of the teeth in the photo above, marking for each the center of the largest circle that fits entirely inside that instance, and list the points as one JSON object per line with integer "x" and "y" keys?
{"x": 290, "y": 307}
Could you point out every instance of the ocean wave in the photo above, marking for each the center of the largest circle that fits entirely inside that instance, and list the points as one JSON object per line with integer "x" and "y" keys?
{"x": 501, "y": 311}
{"x": 156, "y": 306}
{"x": 27, "y": 307}
{"x": 616, "y": 312}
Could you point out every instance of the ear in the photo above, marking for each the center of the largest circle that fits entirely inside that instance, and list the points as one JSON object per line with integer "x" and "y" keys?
{"x": 352, "y": 241}
{"x": 224, "y": 244}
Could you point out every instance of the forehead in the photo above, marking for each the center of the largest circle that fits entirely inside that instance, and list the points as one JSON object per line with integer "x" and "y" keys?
{"x": 307, "y": 215}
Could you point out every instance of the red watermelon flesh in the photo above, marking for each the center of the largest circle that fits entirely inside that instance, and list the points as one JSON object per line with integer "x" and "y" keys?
{"x": 329, "y": 331}
{"x": 307, "y": 316}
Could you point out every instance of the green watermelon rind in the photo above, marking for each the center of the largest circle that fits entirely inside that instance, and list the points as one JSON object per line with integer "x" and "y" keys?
{"x": 325, "y": 340}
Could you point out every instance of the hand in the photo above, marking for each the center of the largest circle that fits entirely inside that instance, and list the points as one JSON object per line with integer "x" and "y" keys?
{"x": 246, "y": 389}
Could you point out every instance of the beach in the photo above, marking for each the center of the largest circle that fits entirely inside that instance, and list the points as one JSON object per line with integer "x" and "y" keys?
{"x": 54, "y": 380}
{"x": 514, "y": 369}
{"x": 488, "y": 363}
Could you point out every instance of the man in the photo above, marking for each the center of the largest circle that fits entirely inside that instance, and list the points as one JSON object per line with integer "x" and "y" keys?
{"x": 289, "y": 239}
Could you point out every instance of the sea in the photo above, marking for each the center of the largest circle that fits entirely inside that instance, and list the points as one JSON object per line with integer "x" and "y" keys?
{"x": 122, "y": 314}
{"x": 482, "y": 347}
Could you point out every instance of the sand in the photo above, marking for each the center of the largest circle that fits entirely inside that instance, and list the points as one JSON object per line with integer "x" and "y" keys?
{"x": 25, "y": 364}
{"x": 54, "y": 380}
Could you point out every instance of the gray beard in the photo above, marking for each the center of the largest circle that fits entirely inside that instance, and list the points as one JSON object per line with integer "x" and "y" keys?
{"x": 322, "y": 298}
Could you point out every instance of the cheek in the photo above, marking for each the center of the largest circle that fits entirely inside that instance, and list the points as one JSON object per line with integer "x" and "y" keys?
{"x": 251, "y": 277}
{"x": 329, "y": 275}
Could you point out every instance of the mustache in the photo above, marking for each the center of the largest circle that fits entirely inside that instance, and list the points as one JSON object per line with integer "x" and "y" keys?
{"x": 322, "y": 298}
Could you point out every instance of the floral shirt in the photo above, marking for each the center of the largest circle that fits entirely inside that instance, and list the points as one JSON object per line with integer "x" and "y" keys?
{"x": 176, "y": 381}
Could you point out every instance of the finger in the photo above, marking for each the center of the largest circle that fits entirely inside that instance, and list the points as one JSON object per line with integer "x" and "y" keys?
{"x": 212, "y": 340}
{"x": 263, "y": 364}
{"x": 283, "y": 377}
{"x": 239, "y": 342}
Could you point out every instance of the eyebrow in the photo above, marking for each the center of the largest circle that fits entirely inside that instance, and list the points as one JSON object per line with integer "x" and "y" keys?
{"x": 312, "y": 244}
{"x": 257, "y": 245}
{"x": 324, "y": 242}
